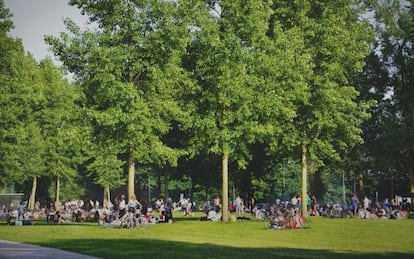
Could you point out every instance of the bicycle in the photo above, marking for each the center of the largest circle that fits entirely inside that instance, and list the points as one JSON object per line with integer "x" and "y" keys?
{"x": 130, "y": 220}
{"x": 135, "y": 219}
{"x": 142, "y": 222}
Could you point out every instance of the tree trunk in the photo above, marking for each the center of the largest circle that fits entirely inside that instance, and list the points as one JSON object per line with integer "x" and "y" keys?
{"x": 107, "y": 195}
{"x": 57, "y": 202}
{"x": 225, "y": 190}
{"x": 131, "y": 173}
{"x": 304, "y": 182}
{"x": 166, "y": 183}
{"x": 32, "y": 198}
{"x": 361, "y": 183}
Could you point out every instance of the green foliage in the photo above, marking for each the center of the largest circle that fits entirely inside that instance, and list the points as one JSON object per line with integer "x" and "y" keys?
{"x": 129, "y": 69}
{"x": 183, "y": 184}
{"x": 60, "y": 118}
{"x": 5, "y": 22}
{"x": 335, "y": 43}
{"x": 17, "y": 100}
{"x": 184, "y": 84}
{"x": 282, "y": 181}
{"x": 32, "y": 152}
{"x": 132, "y": 98}
{"x": 389, "y": 78}
{"x": 108, "y": 170}
{"x": 70, "y": 188}
{"x": 224, "y": 112}
{"x": 332, "y": 181}
{"x": 35, "y": 101}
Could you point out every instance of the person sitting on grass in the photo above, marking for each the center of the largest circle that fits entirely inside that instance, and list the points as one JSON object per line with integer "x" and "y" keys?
{"x": 297, "y": 220}
{"x": 214, "y": 215}
{"x": 58, "y": 218}
{"x": 279, "y": 221}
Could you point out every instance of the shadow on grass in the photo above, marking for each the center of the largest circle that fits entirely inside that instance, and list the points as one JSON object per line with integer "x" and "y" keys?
{"x": 189, "y": 218}
{"x": 130, "y": 248}
{"x": 39, "y": 223}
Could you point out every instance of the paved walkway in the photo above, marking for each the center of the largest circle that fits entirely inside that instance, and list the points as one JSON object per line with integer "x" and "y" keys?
{"x": 10, "y": 249}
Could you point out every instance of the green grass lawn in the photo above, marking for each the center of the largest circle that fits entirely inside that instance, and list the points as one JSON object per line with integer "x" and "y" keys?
{"x": 190, "y": 238}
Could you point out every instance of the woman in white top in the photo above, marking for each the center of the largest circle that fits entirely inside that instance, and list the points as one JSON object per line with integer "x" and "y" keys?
{"x": 134, "y": 205}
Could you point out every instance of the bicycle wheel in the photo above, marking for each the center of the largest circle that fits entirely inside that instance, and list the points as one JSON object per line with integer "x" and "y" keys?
{"x": 131, "y": 221}
{"x": 142, "y": 222}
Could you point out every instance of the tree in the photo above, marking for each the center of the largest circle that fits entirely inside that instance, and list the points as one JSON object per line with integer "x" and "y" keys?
{"x": 32, "y": 157}
{"x": 394, "y": 27}
{"x": 233, "y": 107}
{"x": 374, "y": 154}
{"x": 129, "y": 70}
{"x": 107, "y": 169}
{"x": 327, "y": 122}
{"x": 35, "y": 100}
{"x": 21, "y": 139}
{"x": 12, "y": 56}
{"x": 61, "y": 123}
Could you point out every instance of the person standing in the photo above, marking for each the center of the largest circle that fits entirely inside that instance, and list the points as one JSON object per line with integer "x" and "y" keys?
{"x": 367, "y": 202}
{"x": 168, "y": 210}
{"x": 133, "y": 205}
{"x": 354, "y": 205}
{"x": 294, "y": 201}
{"x": 314, "y": 203}
{"x": 122, "y": 206}
{"x": 251, "y": 204}
{"x": 116, "y": 206}
{"x": 238, "y": 205}
{"x": 189, "y": 208}
{"x": 216, "y": 202}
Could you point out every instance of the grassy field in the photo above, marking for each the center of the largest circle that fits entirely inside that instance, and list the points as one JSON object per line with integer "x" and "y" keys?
{"x": 190, "y": 238}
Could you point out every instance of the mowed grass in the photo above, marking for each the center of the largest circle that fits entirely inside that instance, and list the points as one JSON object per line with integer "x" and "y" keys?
{"x": 189, "y": 237}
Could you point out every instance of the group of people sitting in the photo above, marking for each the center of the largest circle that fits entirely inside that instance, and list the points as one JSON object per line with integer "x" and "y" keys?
{"x": 285, "y": 218}
{"x": 113, "y": 212}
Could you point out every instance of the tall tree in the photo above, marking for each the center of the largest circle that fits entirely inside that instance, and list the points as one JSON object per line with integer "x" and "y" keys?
{"x": 32, "y": 157}
{"x": 61, "y": 124}
{"x": 380, "y": 151}
{"x": 239, "y": 100}
{"x": 129, "y": 69}
{"x": 107, "y": 170}
{"x": 19, "y": 97}
{"x": 33, "y": 99}
{"x": 394, "y": 22}
{"x": 327, "y": 122}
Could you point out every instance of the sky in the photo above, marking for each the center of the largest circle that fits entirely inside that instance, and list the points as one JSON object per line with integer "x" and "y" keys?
{"x": 33, "y": 19}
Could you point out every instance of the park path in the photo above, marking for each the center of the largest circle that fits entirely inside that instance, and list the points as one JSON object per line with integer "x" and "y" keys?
{"x": 15, "y": 250}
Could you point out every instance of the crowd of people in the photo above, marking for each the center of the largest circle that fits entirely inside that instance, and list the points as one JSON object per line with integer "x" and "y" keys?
{"x": 362, "y": 209}
{"x": 368, "y": 209}
{"x": 365, "y": 208}
{"x": 77, "y": 210}
{"x": 70, "y": 211}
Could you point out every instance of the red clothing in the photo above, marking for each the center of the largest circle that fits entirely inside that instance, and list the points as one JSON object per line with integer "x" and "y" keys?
{"x": 231, "y": 208}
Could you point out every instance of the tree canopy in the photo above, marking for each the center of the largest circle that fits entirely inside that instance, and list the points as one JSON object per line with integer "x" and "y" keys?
{"x": 245, "y": 90}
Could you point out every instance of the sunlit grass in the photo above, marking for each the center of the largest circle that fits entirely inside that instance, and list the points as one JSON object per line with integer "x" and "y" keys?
{"x": 189, "y": 237}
